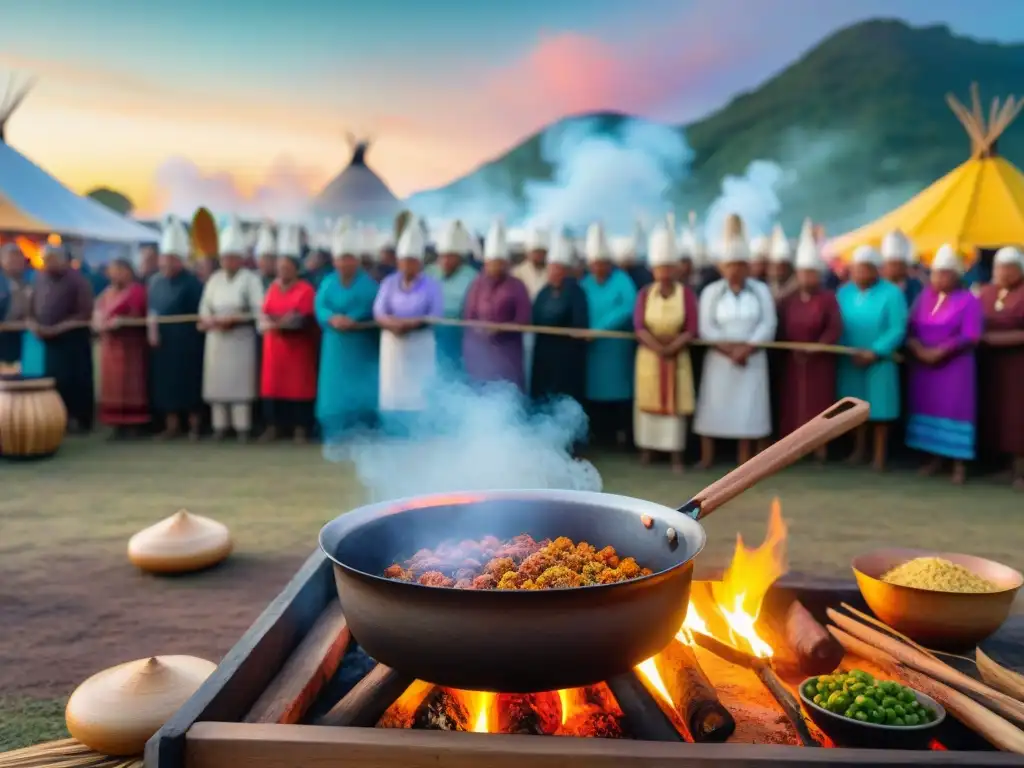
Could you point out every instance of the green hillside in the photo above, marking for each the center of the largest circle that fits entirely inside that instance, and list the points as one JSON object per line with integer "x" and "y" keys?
{"x": 860, "y": 121}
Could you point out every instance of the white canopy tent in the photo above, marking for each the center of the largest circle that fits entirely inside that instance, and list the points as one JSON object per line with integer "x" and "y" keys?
{"x": 34, "y": 202}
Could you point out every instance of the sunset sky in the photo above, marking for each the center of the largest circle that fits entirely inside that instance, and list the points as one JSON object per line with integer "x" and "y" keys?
{"x": 262, "y": 92}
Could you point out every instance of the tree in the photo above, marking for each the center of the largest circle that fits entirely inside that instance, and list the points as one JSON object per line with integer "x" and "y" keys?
{"x": 112, "y": 199}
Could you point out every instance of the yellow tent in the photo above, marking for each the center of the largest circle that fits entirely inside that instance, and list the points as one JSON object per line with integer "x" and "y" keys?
{"x": 979, "y": 204}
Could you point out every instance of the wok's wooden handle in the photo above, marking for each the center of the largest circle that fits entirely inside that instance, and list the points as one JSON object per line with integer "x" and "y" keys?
{"x": 837, "y": 420}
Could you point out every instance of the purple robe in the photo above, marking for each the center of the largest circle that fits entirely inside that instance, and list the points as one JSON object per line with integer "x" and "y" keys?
{"x": 491, "y": 356}
{"x": 941, "y": 399}
{"x": 421, "y": 299}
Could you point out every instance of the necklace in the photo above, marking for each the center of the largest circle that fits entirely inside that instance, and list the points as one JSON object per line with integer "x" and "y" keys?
{"x": 942, "y": 298}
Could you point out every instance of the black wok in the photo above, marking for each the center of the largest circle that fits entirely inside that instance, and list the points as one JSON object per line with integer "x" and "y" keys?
{"x": 526, "y": 641}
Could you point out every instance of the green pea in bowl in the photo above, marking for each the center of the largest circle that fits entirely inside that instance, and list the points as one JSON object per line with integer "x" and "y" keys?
{"x": 881, "y": 714}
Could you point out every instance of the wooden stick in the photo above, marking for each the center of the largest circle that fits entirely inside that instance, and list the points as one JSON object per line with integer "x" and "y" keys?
{"x": 921, "y": 662}
{"x": 306, "y": 672}
{"x": 886, "y": 628}
{"x": 999, "y": 677}
{"x": 645, "y": 720}
{"x": 816, "y": 650}
{"x": 991, "y": 726}
{"x": 369, "y": 699}
{"x": 694, "y": 697}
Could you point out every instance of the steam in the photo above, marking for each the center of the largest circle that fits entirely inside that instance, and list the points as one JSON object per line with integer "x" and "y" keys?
{"x": 754, "y": 196}
{"x": 474, "y": 440}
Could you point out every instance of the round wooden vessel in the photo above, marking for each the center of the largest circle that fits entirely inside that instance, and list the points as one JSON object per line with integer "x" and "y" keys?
{"x": 33, "y": 419}
{"x": 180, "y": 543}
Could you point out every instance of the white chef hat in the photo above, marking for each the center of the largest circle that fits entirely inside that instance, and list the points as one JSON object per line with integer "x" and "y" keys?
{"x": 661, "y": 247}
{"x": 174, "y": 239}
{"x": 896, "y": 247}
{"x": 808, "y": 255}
{"x": 734, "y": 245}
{"x": 760, "y": 248}
{"x": 638, "y": 245}
{"x": 1008, "y": 254}
{"x": 562, "y": 250}
{"x": 451, "y": 238}
{"x": 867, "y": 254}
{"x": 232, "y": 239}
{"x": 948, "y": 258}
{"x": 596, "y": 247}
{"x": 781, "y": 251}
{"x": 537, "y": 238}
{"x": 496, "y": 242}
{"x": 266, "y": 243}
{"x": 345, "y": 242}
{"x": 413, "y": 243}
{"x": 691, "y": 242}
{"x": 289, "y": 241}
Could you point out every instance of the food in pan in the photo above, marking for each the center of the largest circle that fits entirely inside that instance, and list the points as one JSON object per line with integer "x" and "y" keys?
{"x": 859, "y": 696}
{"x": 938, "y": 575}
{"x": 520, "y": 563}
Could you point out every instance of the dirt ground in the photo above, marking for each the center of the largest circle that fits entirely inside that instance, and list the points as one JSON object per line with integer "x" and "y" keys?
{"x": 71, "y": 604}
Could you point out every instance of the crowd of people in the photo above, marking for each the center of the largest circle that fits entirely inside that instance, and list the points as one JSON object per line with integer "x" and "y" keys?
{"x": 330, "y": 349}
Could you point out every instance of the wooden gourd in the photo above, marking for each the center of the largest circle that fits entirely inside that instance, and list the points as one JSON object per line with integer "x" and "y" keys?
{"x": 116, "y": 711}
{"x": 180, "y": 543}
{"x": 33, "y": 419}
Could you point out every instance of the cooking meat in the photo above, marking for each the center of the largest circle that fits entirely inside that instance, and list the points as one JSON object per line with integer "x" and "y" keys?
{"x": 521, "y": 563}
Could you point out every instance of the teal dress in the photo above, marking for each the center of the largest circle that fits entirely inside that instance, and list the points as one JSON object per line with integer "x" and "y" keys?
{"x": 346, "y": 397}
{"x": 610, "y": 361}
{"x": 447, "y": 337}
{"x": 33, "y": 355}
{"x": 874, "y": 319}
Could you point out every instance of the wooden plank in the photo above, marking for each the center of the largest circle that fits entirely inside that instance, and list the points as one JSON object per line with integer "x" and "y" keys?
{"x": 217, "y": 745}
{"x": 367, "y": 702}
{"x": 306, "y": 672}
{"x": 229, "y": 693}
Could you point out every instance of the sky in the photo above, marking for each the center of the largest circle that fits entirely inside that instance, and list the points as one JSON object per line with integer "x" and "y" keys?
{"x": 263, "y": 92}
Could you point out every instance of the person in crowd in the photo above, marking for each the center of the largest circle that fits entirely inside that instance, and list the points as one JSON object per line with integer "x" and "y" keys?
{"x": 265, "y": 252}
{"x": 496, "y": 297}
{"x": 560, "y": 361}
{"x": 387, "y": 258}
{"x": 347, "y": 389}
{"x": 231, "y": 299}
{"x": 809, "y": 315}
{"x": 455, "y": 277}
{"x": 665, "y": 318}
{"x": 780, "y": 276}
{"x": 205, "y": 266}
{"x": 896, "y": 256}
{"x": 60, "y": 316}
{"x": 289, "y": 366}
{"x": 149, "y": 263}
{"x": 611, "y": 296}
{"x": 176, "y": 349}
{"x": 874, "y": 315}
{"x": 15, "y": 294}
{"x": 1002, "y": 360}
{"x": 691, "y": 242}
{"x": 760, "y": 255}
{"x": 124, "y": 351}
{"x": 632, "y": 259}
{"x": 97, "y": 277}
{"x": 532, "y": 272}
{"x": 408, "y": 349}
{"x": 737, "y": 313}
{"x": 944, "y": 327}
{"x": 316, "y": 266}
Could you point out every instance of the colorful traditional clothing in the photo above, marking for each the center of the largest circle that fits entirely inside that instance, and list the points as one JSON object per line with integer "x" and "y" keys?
{"x": 534, "y": 277}
{"x": 349, "y": 359}
{"x": 176, "y": 362}
{"x": 408, "y": 362}
{"x": 454, "y": 288}
{"x": 941, "y": 402}
{"x": 15, "y": 295}
{"x": 60, "y": 297}
{"x": 1002, "y": 372}
{"x": 289, "y": 362}
{"x": 874, "y": 319}
{"x": 124, "y": 357}
{"x": 560, "y": 362}
{"x": 734, "y": 399}
{"x": 490, "y": 356}
{"x": 229, "y": 358}
{"x": 610, "y": 361}
{"x": 664, "y": 386}
{"x": 808, "y": 381}
{"x": 911, "y": 288}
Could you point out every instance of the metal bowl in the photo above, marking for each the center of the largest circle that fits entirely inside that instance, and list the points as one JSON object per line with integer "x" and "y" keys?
{"x": 942, "y": 620}
{"x": 847, "y": 732}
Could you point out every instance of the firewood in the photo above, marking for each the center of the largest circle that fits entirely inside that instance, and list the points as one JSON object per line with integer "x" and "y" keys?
{"x": 693, "y": 697}
{"x": 364, "y": 705}
{"x": 442, "y": 710}
{"x": 816, "y": 651}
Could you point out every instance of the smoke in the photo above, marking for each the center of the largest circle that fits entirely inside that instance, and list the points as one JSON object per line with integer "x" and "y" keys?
{"x": 754, "y": 196}
{"x": 474, "y": 439}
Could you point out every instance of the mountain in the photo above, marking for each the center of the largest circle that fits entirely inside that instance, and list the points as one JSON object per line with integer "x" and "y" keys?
{"x": 856, "y": 125}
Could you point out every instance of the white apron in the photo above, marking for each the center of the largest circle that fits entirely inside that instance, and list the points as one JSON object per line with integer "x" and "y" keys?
{"x": 229, "y": 357}
{"x": 734, "y": 401}
{"x": 408, "y": 366}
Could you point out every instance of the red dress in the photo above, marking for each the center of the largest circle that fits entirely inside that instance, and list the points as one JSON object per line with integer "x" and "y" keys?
{"x": 808, "y": 382}
{"x": 1001, "y": 407}
{"x": 289, "y": 357}
{"x": 124, "y": 356}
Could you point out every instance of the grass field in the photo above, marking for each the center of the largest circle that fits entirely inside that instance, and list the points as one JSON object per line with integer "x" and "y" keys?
{"x": 70, "y": 604}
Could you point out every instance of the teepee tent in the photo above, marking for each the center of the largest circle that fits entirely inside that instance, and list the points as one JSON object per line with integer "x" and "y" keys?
{"x": 357, "y": 192}
{"x": 33, "y": 202}
{"x": 979, "y": 204}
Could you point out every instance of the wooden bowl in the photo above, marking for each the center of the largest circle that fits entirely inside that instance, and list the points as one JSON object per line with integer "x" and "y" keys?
{"x": 941, "y": 620}
{"x": 847, "y": 732}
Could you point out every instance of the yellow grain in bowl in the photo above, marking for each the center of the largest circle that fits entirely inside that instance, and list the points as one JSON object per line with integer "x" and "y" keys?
{"x": 938, "y": 575}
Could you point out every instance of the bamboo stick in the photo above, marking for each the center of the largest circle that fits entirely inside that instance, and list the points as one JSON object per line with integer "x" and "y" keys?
{"x": 999, "y": 677}
{"x": 991, "y": 726}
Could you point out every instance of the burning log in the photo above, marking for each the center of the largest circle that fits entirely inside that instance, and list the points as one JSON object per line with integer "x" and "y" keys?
{"x": 694, "y": 698}
{"x": 591, "y": 723}
{"x": 817, "y": 652}
{"x": 442, "y": 710}
{"x": 537, "y": 714}
{"x": 367, "y": 702}
{"x": 645, "y": 720}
